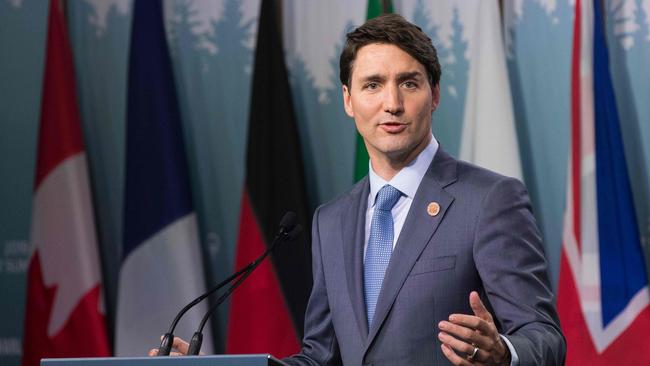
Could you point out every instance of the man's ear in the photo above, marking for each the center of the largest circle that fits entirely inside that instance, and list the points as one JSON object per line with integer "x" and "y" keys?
{"x": 347, "y": 102}
{"x": 435, "y": 95}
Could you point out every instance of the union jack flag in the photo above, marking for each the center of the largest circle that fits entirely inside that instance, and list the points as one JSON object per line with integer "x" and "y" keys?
{"x": 603, "y": 297}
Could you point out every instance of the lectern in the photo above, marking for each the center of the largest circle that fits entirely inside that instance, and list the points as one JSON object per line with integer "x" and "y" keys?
{"x": 216, "y": 360}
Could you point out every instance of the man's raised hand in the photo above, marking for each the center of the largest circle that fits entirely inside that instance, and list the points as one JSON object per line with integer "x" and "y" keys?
{"x": 474, "y": 336}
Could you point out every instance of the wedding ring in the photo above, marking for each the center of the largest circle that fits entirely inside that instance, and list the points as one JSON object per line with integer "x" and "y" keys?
{"x": 471, "y": 357}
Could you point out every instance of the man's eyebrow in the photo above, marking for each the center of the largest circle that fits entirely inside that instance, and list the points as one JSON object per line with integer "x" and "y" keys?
{"x": 400, "y": 77}
{"x": 373, "y": 77}
{"x": 409, "y": 75}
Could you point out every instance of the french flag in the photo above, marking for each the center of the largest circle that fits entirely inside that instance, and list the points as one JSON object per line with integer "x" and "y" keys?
{"x": 64, "y": 309}
{"x": 603, "y": 298}
{"x": 162, "y": 267}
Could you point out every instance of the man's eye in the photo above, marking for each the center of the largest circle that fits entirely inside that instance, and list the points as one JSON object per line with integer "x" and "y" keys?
{"x": 371, "y": 86}
{"x": 410, "y": 84}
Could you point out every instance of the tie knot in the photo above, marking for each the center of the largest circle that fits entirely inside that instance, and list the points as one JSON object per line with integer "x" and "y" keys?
{"x": 387, "y": 198}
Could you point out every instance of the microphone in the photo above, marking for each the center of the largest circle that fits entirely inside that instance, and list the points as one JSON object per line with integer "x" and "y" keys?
{"x": 284, "y": 235}
{"x": 287, "y": 232}
{"x": 287, "y": 223}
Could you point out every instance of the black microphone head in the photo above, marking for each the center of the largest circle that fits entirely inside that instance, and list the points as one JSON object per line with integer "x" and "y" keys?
{"x": 293, "y": 234}
{"x": 288, "y": 222}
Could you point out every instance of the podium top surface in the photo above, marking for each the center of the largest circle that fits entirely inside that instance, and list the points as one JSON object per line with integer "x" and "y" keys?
{"x": 213, "y": 360}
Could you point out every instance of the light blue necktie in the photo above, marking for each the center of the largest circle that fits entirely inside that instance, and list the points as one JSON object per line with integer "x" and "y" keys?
{"x": 380, "y": 246}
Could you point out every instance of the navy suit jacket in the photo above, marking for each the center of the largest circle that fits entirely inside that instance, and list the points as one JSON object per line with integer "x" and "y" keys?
{"x": 484, "y": 238}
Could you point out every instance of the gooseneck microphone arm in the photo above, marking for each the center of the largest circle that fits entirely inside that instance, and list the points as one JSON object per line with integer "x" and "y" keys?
{"x": 168, "y": 339}
{"x": 197, "y": 339}
{"x": 287, "y": 225}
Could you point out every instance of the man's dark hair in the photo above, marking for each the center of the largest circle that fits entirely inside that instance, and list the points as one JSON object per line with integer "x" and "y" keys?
{"x": 390, "y": 29}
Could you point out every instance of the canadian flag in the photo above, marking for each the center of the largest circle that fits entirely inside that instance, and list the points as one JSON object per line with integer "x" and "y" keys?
{"x": 64, "y": 310}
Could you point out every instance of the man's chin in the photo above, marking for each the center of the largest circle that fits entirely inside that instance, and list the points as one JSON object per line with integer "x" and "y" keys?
{"x": 400, "y": 151}
{"x": 396, "y": 152}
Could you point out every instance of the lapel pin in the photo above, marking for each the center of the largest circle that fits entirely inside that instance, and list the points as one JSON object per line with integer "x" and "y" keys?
{"x": 433, "y": 208}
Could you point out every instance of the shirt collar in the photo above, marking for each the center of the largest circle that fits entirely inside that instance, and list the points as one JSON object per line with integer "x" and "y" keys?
{"x": 408, "y": 179}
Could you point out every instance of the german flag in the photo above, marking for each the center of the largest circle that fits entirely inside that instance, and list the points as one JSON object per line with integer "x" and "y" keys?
{"x": 267, "y": 311}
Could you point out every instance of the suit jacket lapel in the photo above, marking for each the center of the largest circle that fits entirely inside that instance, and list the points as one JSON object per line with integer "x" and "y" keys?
{"x": 353, "y": 228}
{"x": 416, "y": 233}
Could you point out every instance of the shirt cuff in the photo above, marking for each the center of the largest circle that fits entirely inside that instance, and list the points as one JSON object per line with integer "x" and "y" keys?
{"x": 514, "y": 358}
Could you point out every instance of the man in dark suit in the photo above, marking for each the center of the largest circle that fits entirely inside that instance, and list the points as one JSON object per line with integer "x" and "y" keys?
{"x": 428, "y": 260}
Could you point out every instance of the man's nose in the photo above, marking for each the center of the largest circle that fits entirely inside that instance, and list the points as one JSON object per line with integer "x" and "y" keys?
{"x": 393, "y": 102}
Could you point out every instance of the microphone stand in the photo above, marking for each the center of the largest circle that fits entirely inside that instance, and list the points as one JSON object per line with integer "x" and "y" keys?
{"x": 288, "y": 223}
{"x": 168, "y": 338}
{"x": 197, "y": 339}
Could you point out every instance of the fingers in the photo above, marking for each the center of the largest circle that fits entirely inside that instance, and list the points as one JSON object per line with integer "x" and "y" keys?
{"x": 452, "y": 356}
{"x": 154, "y": 352}
{"x": 456, "y": 359}
{"x": 180, "y": 345}
{"x": 455, "y": 343}
{"x": 467, "y": 334}
{"x": 478, "y": 308}
{"x": 462, "y": 334}
{"x": 472, "y": 322}
{"x": 462, "y": 347}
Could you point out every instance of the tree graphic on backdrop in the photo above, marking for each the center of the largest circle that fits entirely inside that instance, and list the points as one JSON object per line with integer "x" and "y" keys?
{"x": 183, "y": 20}
{"x": 320, "y": 113}
{"x": 534, "y": 127}
{"x": 231, "y": 34}
{"x": 448, "y": 119}
{"x": 100, "y": 73}
{"x": 646, "y": 21}
{"x": 458, "y": 70}
{"x": 213, "y": 65}
{"x": 335, "y": 110}
{"x": 305, "y": 97}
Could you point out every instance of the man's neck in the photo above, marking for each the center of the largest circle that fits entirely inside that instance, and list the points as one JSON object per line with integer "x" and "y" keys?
{"x": 387, "y": 166}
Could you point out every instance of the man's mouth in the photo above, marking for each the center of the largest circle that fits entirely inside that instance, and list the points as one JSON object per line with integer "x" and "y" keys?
{"x": 393, "y": 127}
